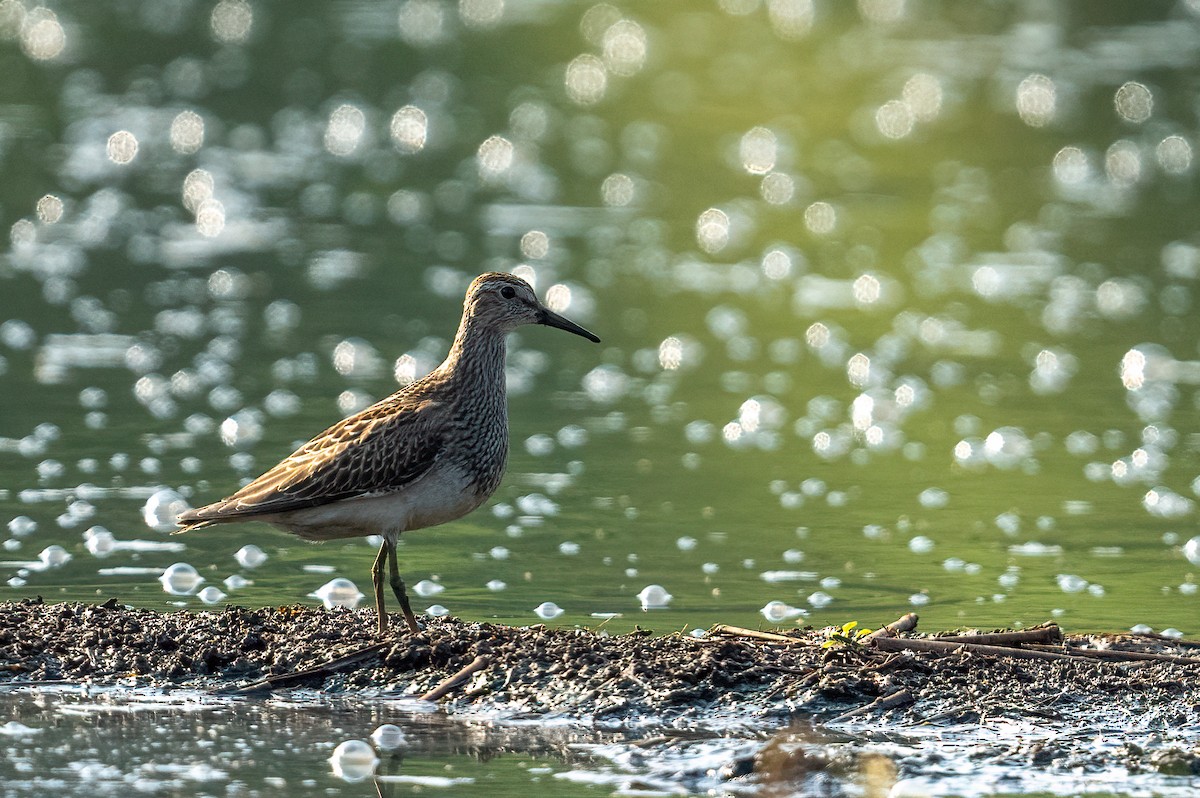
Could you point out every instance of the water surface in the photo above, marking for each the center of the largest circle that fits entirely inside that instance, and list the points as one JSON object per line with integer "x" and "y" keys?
{"x": 897, "y": 299}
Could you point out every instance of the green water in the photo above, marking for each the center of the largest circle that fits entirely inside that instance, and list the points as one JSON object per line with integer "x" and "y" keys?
{"x": 192, "y": 745}
{"x": 866, "y": 277}
{"x": 872, "y": 227}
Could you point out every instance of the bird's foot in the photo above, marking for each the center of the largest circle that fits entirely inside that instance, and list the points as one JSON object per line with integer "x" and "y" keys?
{"x": 414, "y": 626}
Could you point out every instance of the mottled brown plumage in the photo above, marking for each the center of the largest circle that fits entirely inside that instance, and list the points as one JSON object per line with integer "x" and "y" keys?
{"x": 429, "y": 453}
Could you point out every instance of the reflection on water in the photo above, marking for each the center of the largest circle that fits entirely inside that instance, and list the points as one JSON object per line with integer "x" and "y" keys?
{"x": 897, "y": 300}
{"x": 189, "y": 744}
{"x": 61, "y": 740}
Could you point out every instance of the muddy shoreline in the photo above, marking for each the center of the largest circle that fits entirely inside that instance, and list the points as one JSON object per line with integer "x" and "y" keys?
{"x": 742, "y": 684}
{"x": 579, "y": 672}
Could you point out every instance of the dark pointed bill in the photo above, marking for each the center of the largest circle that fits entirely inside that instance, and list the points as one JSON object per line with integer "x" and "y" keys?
{"x": 552, "y": 319}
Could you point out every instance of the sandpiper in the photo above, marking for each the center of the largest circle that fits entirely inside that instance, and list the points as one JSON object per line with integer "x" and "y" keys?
{"x": 430, "y": 453}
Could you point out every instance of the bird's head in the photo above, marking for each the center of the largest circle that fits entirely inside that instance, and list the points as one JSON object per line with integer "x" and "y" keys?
{"x": 505, "y": 302}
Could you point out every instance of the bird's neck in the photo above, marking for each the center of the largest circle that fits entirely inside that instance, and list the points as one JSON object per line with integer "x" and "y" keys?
{"x": 477, "y": 355}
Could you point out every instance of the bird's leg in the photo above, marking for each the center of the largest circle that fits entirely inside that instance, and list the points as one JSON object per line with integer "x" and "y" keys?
{"x": 377, "y": 578}
{"x": 398, "y": 588}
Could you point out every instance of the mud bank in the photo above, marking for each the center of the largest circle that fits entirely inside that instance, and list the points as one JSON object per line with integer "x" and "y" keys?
{"x": 774, "y": 704}
{"x": 540, "y": 670}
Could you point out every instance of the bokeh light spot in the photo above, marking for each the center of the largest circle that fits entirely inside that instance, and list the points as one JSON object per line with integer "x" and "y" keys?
{"x": 1071, "y": 166}
{"x": 625, "y": 47}
{"x": 867, "y": 290}
{"x": 1123, "y": 163}
{"x": 586, "y": 80}
{"x": 42, "y": 35}
{"x": 1036, "y": 100}
{"x": 197, "y": 187}
{"x": 858, "y": 370}
{"x": 820, "y": 218}
{"x": 558, "y": 298}
{"x": 777, "y": 264}
{"x": 495, "y": 157}
{"x": 758, "y": 151}
{"x": 422, "y": 22}
{"x": 187, "y": 132}
{"x": 712, "y": 230}
{"x": 535, "y": 244}
{"x": 344, "y": 131}
{"x": 923, "y": 95}
{"x": 670, "y": 353}
{"x": 777, "y": 188}
{"x": 617, "y": 190}
{"x": 597, "y": 20}
{"x": 791, "y": 19}
{"x": 231, "y": 21}
{"x": 1134, "y": 102}
{"x": 481, "y": 14}
{"x": 1174, "y": 155}
{"x": 409, "y": 129}
{"x": 210, "y": 218}
{"x": 894, "y": 119}
{"x": 122, "y": 147}
{"x": 49, "y": 209}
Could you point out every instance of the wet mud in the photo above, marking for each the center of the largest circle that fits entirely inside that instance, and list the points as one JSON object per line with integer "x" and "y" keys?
{"x": 796, "y": 693}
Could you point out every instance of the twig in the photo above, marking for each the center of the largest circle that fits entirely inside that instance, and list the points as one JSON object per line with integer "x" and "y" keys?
{"x": 1174, "y": 641}
{"x": 905, "y": 623}
{"x": 289, "y": 679}
{"x": 952, "y": 712}
{"x": 766, "y": 666}
{"x": 888, "y": 662}
{"x": 1121, "y": 656}
{"x": 739, "y": 631}
{"x": 1041, "y": 634}
{"x": 897, "y": 644}
{"x": 476, "y": 665}
{"x": 896, "y": 699}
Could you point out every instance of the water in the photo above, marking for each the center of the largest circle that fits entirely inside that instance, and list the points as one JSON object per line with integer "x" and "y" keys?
{"x": 897, "y": 299}
{"x": 193, "y": 744}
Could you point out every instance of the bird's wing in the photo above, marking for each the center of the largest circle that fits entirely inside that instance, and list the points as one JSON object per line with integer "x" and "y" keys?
{"x": 386, "y": 447}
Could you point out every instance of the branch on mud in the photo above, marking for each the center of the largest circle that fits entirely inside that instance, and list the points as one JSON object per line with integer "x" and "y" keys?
{"x": 740, "y": 631}
{"x": 458, "y": 679}
{"x": 1049, "y": 634}
{"x": 896, "y": 699}
{"x": 1116, "y": 655}
{"x": 321, "y": 671}
{"x": 905, "y": 623}
{"x": 898, "y": 644}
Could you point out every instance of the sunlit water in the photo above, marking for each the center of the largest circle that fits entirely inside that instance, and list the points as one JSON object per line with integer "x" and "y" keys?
{"x": 897, "y": 300}
{"x": 109, "y": 745}
{"x": 113, "y": 742}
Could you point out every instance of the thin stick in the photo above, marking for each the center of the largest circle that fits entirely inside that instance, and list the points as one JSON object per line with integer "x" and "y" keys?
{"x": 1174, "y": 641}
{"x": 896, "y": 699}
{"x": 783, "y": 669}
{"x": 289, "y": 679}
{"x": 1123, "y": 656}
{"x": 476, "y": 665}
{"x": 739, "y": 631}
{"x": 905, "y": 623}
{"x": 896, "y": 644}
{"x": 1041, "y": 634}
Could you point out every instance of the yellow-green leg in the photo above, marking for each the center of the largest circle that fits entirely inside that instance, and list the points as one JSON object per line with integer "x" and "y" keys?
{"x": 398, "y": 588}
{"x": 377, "y": 578}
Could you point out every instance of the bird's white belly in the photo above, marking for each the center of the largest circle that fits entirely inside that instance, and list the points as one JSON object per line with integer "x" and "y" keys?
{"x": 442, "y": 495}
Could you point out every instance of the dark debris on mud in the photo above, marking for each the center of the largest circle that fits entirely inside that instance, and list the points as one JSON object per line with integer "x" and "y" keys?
{"x": 543, "y": 671}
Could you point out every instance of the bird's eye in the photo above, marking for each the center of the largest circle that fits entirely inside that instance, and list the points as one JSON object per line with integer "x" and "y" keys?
{"x": 508, "y": 292}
